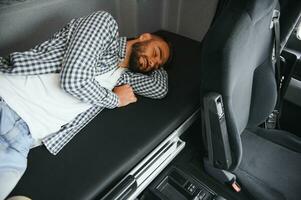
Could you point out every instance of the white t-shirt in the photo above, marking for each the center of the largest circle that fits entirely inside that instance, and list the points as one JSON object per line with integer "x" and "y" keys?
{"x": 42, "y": 104}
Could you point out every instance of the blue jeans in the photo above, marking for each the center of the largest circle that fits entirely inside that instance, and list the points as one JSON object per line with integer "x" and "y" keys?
{"x": 15, "y": 142}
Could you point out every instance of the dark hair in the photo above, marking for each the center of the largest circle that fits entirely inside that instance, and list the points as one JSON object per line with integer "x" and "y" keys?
{"x": 170, "y": 46}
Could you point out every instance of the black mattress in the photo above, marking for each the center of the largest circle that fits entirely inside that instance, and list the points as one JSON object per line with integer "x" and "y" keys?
{"x": 116, "y": 140}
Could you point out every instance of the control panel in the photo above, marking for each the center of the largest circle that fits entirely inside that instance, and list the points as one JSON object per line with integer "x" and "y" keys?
{"x": 177, "y": 185}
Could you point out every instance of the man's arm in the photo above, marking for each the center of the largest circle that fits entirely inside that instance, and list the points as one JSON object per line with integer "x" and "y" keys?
{"x": 92, "y": 36}
{"x": 44, "y": 58}
{"x": 154, "y": 85}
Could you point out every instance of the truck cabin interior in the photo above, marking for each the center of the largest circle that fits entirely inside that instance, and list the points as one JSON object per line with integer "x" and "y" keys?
{"x": 225, "y": 129}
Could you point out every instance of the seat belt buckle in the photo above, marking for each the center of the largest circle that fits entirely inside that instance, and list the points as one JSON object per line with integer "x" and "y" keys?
{"x": 234, "y": 185}
{"x": 275, "y": 18}
{"x": 271, "y": 122}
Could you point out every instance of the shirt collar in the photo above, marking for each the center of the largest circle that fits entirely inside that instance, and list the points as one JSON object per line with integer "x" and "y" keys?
{"x": 122, "y": 47}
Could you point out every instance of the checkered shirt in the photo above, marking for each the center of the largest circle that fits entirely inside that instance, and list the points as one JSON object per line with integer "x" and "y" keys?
{"x": 84, "y": 48}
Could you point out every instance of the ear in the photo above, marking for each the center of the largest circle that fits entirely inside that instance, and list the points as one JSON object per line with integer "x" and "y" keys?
{"x": 145, "y": 37}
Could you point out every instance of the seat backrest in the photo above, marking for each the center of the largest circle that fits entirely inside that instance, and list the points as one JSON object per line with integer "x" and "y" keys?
{"x": 237, "y": 63}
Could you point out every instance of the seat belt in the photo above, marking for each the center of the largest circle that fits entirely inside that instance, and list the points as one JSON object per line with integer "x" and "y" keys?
{"x": 273, "y": 119}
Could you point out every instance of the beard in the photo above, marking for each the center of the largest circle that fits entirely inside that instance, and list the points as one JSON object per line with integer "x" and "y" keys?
{"x": 134, "y": 64}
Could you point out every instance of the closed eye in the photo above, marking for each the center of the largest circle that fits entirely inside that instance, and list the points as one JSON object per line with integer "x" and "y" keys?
{"x": 159, "y": 52}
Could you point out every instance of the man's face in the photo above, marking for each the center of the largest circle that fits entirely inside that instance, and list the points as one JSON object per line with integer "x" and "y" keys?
{"x": 148, "y": 55}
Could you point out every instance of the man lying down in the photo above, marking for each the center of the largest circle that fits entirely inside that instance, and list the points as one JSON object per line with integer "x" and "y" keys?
{"x": 51, "y": 91}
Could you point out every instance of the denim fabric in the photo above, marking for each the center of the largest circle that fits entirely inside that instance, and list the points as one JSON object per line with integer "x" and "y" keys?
{"x": 15, "y": 142}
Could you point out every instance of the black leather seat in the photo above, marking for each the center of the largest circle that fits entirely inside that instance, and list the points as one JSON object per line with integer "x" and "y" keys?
{"x": 237, "y": 63}
{"x": 116, "y": 140}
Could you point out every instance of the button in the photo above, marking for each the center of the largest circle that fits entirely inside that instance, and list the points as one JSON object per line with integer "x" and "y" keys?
{"x": 200, "y": 196}
{"x": 235, "y": 186}
{"x": 190, "y": 187}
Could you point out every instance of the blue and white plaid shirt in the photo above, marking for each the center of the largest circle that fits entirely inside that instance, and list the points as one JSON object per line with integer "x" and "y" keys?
{"x": 84, "y": 48}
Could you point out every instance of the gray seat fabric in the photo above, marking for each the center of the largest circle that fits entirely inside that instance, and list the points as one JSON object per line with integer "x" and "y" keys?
{"x": 270, "y": 166}
{"x": 280, "y": 137}
{"x": 236, "y": 61}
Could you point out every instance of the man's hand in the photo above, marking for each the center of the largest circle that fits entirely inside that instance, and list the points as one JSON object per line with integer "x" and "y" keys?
{"x": 125, "y": 94}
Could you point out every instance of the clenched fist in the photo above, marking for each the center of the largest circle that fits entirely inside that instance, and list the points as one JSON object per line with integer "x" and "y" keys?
{"x": 125, "y": 94}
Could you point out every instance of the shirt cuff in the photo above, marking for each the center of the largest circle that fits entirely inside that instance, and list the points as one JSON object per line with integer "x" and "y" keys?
{"x": 122, "y": 47}
{"x": 111, "y": 101}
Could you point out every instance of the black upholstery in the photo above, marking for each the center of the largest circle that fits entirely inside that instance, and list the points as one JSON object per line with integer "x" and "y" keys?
{"x": 236, "y": 54}
{"x": 236, "y": 62}
{"x": 116, "y": 140}
{"x": 270, "y": 167}
{"x": 280, "y": 137}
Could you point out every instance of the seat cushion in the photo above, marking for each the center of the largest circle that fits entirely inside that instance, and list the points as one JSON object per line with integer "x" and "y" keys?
{"x": 116, "y": 140}
{"x": 271, "y": 163}
{"x": 280, "y": 137}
